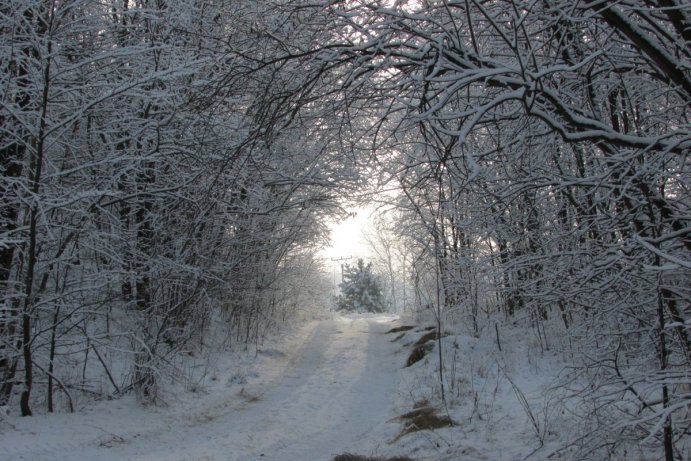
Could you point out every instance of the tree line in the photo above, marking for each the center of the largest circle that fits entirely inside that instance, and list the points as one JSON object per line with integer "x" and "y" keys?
{"x": 159, "y": 177}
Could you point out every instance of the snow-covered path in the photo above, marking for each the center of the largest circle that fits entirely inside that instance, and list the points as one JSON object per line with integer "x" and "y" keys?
{"x": 334, "y": 394}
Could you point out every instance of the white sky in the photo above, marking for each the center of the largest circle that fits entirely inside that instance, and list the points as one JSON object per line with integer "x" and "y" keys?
{"x": 347, "y": 240}
{"x": 347, "y": 237}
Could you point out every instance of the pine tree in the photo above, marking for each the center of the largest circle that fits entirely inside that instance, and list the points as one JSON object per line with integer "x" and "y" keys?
{"x": 361, "y": 289}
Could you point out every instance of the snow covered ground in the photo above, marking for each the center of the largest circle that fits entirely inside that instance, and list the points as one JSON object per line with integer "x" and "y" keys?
{"x": 330, "y": 387}
{"x": 326, "y": 389}
{"x": 507, "y": 403}
{"x": 500, "y": 401}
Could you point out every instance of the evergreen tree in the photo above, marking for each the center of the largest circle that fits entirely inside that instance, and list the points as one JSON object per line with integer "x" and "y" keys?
{"x": 361, "y": 289}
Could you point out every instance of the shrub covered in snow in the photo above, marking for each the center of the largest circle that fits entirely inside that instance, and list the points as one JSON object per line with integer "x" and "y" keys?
{"x": 360, "y": 290}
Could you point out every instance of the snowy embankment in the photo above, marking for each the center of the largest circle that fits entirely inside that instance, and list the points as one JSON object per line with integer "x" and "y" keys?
{"x": 324, "y": 390}
{"x": 509, "y": 395}
{"x": 497, "y": 405}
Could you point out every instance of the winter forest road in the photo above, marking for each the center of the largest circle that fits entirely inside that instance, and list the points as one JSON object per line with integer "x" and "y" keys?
{"x": 336, "y": 390}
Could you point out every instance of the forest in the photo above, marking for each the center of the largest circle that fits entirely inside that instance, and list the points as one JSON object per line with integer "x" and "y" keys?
{"x": 169, "y": 168}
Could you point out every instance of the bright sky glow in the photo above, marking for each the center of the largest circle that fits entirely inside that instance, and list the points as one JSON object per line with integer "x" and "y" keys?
{"x": 347, "y": 243}
{"x": 347, "y": 238}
